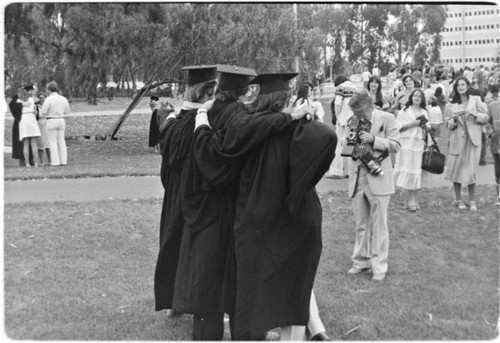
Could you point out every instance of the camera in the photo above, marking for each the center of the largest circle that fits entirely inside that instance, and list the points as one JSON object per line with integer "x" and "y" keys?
{"x": 355, "y": 125}
{"x": 369, "y": 161}
{"x": 357, "y": 150}
{"x": 352, "y": 137}
{"x": 422, "y": 120}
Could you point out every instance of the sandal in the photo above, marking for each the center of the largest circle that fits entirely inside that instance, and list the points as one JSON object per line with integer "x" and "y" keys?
{"x": 460, "y": 204}
{"x": 472, "y": 206}
{"x": 412, "y": 207}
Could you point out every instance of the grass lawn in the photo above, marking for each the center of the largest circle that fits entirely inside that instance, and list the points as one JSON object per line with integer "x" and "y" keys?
{"x": 84, "y": 271}
{"x": 128, "y": 155}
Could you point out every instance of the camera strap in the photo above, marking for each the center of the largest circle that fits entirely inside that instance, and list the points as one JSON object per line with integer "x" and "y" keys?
{"x": 382, "y": 157}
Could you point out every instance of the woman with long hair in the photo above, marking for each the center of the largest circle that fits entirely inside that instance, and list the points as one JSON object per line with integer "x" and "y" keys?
{"x": 277, "y": 209}
{"x": 374, "y": 86}
{"x": 402, "y": 98}
{"x": 464, "y": 117}
{"x": 302, "y": 96}
{"x": 407, "y": 170}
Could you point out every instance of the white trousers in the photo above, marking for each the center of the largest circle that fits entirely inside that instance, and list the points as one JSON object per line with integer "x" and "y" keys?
{"x": 55, "y": 134}
{"x": 314, "y": 325}
{"x": 339, "y": 164}
{"x": 371, "y": 247}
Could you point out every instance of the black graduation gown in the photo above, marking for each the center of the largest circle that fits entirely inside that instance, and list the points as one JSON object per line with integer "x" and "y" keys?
{"x": 154, "y": 129}
{"x": 278, "y": 229}
{"x": 175, "y": 142}
{"x": 17, "y": 112}
{"x": 204, "y": 281}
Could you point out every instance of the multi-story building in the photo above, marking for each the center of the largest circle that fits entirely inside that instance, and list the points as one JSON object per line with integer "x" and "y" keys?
{"x": 471, "y": 36}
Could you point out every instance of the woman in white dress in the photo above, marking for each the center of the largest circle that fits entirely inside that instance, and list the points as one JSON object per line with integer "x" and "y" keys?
{"x": 29, "y": 130}
{"x": 412, "y": 120}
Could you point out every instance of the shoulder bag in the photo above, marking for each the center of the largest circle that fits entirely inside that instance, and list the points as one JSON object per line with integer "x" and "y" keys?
{"x": 432, "y": 158}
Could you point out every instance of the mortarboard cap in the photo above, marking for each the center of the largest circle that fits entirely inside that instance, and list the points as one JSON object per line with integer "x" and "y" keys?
{"x": 29, "y": 87}
{"x": 202, "y": 73}
{"x": 270, "y": 83}
{"x": 234, "y": 77}
{"x": 155, "y": 97}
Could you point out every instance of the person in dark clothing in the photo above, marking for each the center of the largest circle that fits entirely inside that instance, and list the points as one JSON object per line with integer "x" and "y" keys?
{"x": 233, "y": 146}
{"x": 278, "y": 222}
{"x": 16, "y": 108}
{"x": 219, "y": 159}
{"x": 154, "y": 128}
{"x": 175, "y": 142}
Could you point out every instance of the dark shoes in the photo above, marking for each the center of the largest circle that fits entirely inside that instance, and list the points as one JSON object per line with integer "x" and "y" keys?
{"x": 173, "y": 313}
{"x": 322, "y": 336}
{"x": 355, "y": 270}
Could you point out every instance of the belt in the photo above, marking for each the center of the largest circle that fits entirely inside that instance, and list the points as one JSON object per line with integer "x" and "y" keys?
{"x": 54, "y": 118}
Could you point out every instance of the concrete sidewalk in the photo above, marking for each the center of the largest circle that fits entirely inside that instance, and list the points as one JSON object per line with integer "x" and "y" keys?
{"x": 145, "y": 187}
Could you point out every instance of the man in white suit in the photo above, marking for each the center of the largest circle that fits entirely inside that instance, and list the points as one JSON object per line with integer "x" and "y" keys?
{"x": 371, "y": 193}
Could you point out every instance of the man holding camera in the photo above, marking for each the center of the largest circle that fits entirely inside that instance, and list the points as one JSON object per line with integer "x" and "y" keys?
{"x": 371, "y": 183}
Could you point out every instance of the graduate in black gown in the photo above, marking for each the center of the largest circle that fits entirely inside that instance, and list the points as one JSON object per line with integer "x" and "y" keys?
{"x": 205, "y": 277}
{"x": 278, "y": 215}
{"x": 175, "y": 141}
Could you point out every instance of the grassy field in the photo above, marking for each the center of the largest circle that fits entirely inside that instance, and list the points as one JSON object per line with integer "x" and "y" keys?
{"x": 84, "y": 271}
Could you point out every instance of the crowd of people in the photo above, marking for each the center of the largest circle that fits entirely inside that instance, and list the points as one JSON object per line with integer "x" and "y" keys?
{"x": 39, "y": 126}
{"x": 240, "y": 229}
{"x": 241, "y": 222}
{"x": 428, "y": 102}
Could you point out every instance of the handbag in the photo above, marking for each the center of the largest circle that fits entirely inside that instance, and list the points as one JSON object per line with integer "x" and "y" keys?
{"x": 432, "y": 158}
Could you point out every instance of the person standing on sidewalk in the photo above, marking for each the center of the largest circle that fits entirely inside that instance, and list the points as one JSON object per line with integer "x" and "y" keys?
{"x": 175, "y": 142}
{"x": 54, "y": 109}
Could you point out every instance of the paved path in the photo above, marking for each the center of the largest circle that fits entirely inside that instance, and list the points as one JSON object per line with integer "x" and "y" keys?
{"x": 145, "y": 187}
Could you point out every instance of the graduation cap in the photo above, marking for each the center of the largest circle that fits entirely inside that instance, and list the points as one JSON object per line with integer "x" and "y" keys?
{"x": 155, "y": 98}
{"x": 201, "y": 73}
{"x": 29, "y": 87}
{"x": 234, "y": 77}
{"x": 270, "y": 83}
